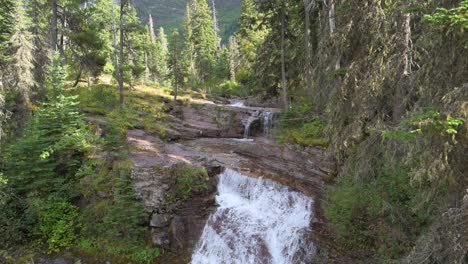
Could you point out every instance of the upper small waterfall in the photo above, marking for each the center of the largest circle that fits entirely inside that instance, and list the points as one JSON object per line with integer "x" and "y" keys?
{"x": 257, "y": 221}
{"x": 266, "y": 120}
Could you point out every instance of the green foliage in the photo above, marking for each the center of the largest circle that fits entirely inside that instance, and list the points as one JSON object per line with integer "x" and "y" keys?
{"x": 121, "y": 119}
{"x": 454, "y": 20}
{"x": 99, "y": 99}
{"x": 308, "y": 135}
{"x": 230, "y": 88}
{"x": 145, "y": 255}
{"x": 429, "y": 123}
{"x": 45, "y": 159}
{"x": 6, "y": 19}
{"x": 382, "y": 215}
{"x": 125, "y": 212}
{"x": 58, "y": 222}
{"x": 190, "y": 178}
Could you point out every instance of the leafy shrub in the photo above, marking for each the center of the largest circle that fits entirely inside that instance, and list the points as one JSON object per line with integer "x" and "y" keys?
{"x": 230, "y": 88}
{"x": 145, "y": 255}
{"x": 309, "y": 134}
{"x": 297, "y": 115}
{"x": 384, "y": 214}
{"x": 100, "y": 99}
{"x": 190, "y": 178}
{"x": 429, "y": 123}
{"x": 58, "y": 221}
{"x": 455, "y": 18}
{"x": 125, "y": 212}
{"x": 120, "y": 120}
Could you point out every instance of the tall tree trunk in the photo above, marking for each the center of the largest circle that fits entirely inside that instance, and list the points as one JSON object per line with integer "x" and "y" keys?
{"x": 114, "y": 42}
{"x": 283, "y": 66}
{"x": 147, "y": 71}
{"x": 332, "y": 21}
{"x": 403, "y": 46}
{"x": 54, "y": 24}
{"x": 121, "y": 51}
{"x": 78, "y": 77}
{"x": 308, "y": 4}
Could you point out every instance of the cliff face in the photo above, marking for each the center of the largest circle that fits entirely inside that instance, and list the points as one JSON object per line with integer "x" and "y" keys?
{"x": 170, "y": 14}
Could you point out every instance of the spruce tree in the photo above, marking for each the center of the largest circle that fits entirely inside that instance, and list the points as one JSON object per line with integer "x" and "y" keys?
{"x": 189, "y": 50}
{"x": 22, "y": 58}
{"x": 6, "y": 22}
{"x": 203, "y": 39}
{"x": 175, "y": 55}
{"x": 162, "y": 56}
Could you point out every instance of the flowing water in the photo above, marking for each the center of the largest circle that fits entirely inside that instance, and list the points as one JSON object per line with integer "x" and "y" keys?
{"x": 257, "y": 222}
{"x": 266, "y": 119}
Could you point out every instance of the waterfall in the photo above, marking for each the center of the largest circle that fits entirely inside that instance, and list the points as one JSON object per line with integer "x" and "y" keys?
{"x": 266, "y": 119}
{"x": 257, "y": 221}
{"x": 267, "y": 122}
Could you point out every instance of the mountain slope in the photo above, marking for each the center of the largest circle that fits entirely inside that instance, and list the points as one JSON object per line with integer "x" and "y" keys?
{"x": 170, "y": 14}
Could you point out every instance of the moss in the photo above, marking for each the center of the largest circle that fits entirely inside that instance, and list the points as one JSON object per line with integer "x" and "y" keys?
{"x": 189, "y": 178}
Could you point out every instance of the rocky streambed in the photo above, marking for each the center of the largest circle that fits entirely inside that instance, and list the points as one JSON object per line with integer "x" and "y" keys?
{"x": 214, "y": 137}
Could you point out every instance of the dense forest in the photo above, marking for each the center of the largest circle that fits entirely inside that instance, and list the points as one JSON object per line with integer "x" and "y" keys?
{"x": 380, "y": 86}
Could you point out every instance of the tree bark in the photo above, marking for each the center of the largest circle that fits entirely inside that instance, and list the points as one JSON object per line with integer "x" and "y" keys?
{"x": 54, "y": 24}
{"x": 114, "y": 40}
{"x": 78, "y": 77}
{"x": 307, "y": 7}
{"x": 283, "y": 66}
{"x": 121, "y": 51}
{"x": 403, "y": 46}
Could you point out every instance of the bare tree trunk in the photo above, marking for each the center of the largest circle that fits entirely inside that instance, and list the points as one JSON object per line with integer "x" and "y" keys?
{"x": 147, "y": 71}
{"x": 122, "y": 22}
{"x": 233, "y": 57}
{"x": 114, "y": 40}
{"x": 54, "y": 24}
{"x": 403, "y": 46}
{"x": 78, "y": 77}
{"x": 308, "y": 4}
{"x": 332, "y": 21}
{"x": 283, "y": 66}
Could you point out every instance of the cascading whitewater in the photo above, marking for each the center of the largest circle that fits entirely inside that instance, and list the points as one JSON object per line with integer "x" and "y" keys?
{"x": 257, "y": 221}
{"x": 265, "y": 118}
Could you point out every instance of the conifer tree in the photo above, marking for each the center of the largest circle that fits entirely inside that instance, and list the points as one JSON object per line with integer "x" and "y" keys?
{"x": 162, "y": 55}
{"x": 203, "y": 39}
{"x": 189, "y": 51}
{"x": 22, "y": 58}
{"x": 39, "y": 28}
{"x": 6, "y": 22}
{"x": 175, "y": 48}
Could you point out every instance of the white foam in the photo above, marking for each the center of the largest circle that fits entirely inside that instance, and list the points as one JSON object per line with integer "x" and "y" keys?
{"x": 257, "y": 221}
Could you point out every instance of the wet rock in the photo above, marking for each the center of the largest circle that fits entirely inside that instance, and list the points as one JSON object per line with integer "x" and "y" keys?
{"x": 151, "y": 185}
{"x": 178, "y": 231}
{"x": 161, "y": 239}
{"x": 160, "y": 220}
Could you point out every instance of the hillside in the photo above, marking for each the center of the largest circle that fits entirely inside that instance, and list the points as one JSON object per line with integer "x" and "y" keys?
{"x": 170, "y": 14}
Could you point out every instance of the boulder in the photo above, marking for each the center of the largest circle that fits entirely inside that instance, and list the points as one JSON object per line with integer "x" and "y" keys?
{"x": 160, "y": 220}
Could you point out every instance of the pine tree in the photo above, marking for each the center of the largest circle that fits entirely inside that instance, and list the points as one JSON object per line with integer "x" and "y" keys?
{"x": 189, "y": 51}
{"x": 39, "y": 28}
{"x": 203, "y": 39}
{"x": 162, "y": 56}
{"x": 175, "y": 48}
{"x": 46, "y": 158}
{"x": 6, "y": 22}
{"x": 22, "y": 59}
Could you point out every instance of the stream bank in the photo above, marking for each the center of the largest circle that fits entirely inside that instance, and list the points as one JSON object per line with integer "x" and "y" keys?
{"x": 217, "y": 138}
